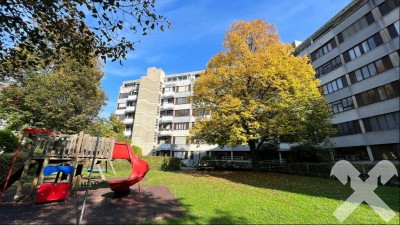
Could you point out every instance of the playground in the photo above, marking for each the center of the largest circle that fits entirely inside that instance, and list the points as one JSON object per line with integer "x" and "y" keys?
{"x": 153, "y": 203}
{"x": 60, "y": 192}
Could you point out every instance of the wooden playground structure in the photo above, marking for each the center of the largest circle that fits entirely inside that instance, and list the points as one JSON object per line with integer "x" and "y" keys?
{"x": 64, "y": 154}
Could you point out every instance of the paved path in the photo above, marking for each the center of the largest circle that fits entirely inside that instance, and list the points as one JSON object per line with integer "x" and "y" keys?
{"x": 154, "y": 202}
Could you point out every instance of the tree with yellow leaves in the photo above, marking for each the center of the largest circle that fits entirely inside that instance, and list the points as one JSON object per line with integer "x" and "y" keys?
{"x": 257, "y": 91}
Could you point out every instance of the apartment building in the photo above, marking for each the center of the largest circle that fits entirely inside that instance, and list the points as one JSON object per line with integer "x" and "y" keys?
{"x": 356, "y": 58}
{"x": 157, "y": 113}
{"x": 126, "y": 104}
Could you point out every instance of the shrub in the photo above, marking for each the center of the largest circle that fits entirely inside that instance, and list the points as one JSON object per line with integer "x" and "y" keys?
{"x": 155, "y": 162}
{"x": 137, "y": 150}
{"x": 309, "y": 153}
{"x": 6, "y": 160}
{"x": 163, "y": 163}
{"x": 206, "y": 157}
{"x": 8, "y": 141}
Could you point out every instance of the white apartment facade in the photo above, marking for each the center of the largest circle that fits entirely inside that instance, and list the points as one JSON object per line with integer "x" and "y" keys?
{"x": 356, "y": 58}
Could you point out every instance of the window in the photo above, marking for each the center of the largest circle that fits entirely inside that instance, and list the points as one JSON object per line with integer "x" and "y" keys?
{"x": 221, "y": 155}
{"x": 328, "y": 67}
{"x": 387, "y": 6}
{"x": 181, "y": 126}
{"x": 180, "y": 154}
{"x": 201, "y": 112}
{"x": 168, "y": 89}
{"x": 341, "y": 105}
{"x": 121, "y": 106}
{"x": 123, "y": 95}
{"x": 166, "y": 113}
{"x": 164, "y": 140}
{"x": 323, "y": 50}
{"x": 348, "y": 128}
{"x": 185, "y": 100}
{"x": 183, "y": 88}
{"x": 183, "y": 112}
{"x": 388, "y": 151}
{"x": 378, "y": 94}
{"x": 166, "y": 126}
{"x": 165, "y": 101}
{"x": 356, "y": 27}
{"x": 354, "y": 153}
{"x": 382, "y": 122}
{"x": 363, "y": 48}
{"x": 180, "y": 140}
{"x": 394, "y": 30}
{"x": 129, "y": 116}
{"x": 371, "y": 69}
{"x": 334, "y": 85}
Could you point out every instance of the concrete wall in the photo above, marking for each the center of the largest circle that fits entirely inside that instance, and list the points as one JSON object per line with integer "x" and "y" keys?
{"x": 147, "y": 110}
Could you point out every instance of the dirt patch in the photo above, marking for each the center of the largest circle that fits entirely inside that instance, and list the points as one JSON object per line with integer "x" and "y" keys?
{"x": 154, "y": 202}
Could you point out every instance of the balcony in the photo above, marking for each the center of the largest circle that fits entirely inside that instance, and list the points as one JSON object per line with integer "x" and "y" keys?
{"x": 167, "y": 106}
{"x": 127, "y": 133}
{"x": 132, "y": 97}
{"x": 128, "y": 120}
{"x": 168, "y": 94}
{"x": 165, "y": 147}
{"x": 164, "y": 133}
{"x": 130, "y": 109}
{"x": 166, "y": 119}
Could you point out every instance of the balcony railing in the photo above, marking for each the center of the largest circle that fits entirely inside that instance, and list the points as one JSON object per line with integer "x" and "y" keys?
{"x": 166, "y": 119}
{"x": 130, "y": 109}
{"x": 128, "y": 120}
{"x": 165, "y": 147}
{"x": 167, "y": 106}
{"x": 132, "y": 97}
{"x": 127, "y": 133}
{"x": 169, "y": 94}
{"x": 165, "y": 133}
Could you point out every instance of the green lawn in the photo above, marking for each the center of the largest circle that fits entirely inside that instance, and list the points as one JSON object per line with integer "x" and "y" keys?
{"x": 248, "y": 197}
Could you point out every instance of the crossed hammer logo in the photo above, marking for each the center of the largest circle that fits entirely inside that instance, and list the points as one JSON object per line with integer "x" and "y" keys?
{"x": 364, "y": 191}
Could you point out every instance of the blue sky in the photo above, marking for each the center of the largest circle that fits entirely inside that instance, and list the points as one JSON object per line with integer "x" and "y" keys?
{"x": 198, "y": 28}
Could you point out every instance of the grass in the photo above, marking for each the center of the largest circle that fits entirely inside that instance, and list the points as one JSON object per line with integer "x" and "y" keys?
{"x": 248, "y": 197}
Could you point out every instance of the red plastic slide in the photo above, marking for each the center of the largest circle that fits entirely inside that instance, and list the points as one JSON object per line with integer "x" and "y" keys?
{"x": 140, "y": 167}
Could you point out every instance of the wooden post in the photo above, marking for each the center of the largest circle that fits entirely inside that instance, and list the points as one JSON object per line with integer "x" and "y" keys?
{"x": 75, "y": 185}
{"x": 101, "y": 172}
{"x": 20, "y": 182}
{"x": 41, "y": 176}
{"x": 79, "y": 144}
{"x": 35, "y": 180}
{"x": 112, "y": 166}
{"x": 71, "y": 177}
{"x": 45, "y": 163}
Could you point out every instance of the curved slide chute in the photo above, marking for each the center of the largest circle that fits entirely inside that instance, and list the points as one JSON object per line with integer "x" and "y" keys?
{"x": 140, "y": 167}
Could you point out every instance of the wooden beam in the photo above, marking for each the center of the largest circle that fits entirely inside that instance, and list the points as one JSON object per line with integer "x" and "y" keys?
{"x": 20, "y": 182}
{"x": 101, "y": 172}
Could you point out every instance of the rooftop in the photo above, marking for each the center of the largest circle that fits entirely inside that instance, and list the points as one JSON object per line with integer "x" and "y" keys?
{"x": 337, "y": 19}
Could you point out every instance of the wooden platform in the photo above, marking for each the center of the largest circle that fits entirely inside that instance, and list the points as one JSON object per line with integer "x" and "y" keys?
{"x": 76, "y": 150}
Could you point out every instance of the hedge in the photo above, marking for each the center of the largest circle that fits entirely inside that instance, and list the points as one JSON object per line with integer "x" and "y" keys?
{"x": 6, "y": 161}
{"x": 155, "y": 162}
{"x": 8, "y": 141}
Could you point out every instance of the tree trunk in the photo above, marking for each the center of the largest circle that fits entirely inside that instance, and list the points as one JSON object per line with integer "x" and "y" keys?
{"x": 254, "y": 155}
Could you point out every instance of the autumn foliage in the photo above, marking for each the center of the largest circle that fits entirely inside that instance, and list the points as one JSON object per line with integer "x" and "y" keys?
{"x": 257, "y": 91}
